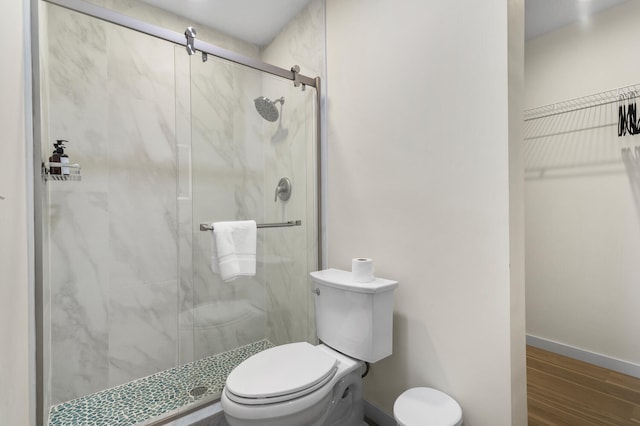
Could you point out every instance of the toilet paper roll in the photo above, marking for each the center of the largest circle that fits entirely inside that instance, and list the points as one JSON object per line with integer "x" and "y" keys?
{"x": 362, "y": 270}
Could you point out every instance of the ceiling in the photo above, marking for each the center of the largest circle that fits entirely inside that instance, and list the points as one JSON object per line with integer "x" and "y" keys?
{"x": 255, "y": 21}
{"x": 259, "y": 21}
{"x": 542, "y": 16}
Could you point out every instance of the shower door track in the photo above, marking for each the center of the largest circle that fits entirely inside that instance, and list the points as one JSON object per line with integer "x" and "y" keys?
{"x": 101, "y": 13}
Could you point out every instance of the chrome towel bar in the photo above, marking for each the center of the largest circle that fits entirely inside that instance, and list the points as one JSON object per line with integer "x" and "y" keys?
{"x": 208, "y": 227}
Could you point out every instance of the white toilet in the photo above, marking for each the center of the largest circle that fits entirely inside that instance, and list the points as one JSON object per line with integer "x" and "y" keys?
{"x": 426, "y": 406}
{"x": 301, "y": 384}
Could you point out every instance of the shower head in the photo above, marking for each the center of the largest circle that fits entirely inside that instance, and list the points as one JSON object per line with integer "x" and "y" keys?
{"x": 267, "y": 108}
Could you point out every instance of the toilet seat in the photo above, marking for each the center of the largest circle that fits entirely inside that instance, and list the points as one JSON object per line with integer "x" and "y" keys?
{"x": 306, "y": 409}
{"x": 426, "y": 406}
{"x": 280, "y": 374}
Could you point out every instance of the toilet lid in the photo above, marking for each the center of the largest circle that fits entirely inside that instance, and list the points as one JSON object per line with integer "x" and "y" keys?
{"x": 419, "y": 406}
{"x": 280, "y": 373}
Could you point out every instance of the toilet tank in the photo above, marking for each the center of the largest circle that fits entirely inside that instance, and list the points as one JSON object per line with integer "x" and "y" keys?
{"x": 354, "y": 318}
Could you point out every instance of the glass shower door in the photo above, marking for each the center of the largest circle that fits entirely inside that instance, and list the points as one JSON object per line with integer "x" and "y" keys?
{"x": 166, "y": 142}
{"x": 237, "y": 159}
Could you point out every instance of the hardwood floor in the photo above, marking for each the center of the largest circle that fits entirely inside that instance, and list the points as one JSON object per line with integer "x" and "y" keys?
{"x": 564, "y": 391}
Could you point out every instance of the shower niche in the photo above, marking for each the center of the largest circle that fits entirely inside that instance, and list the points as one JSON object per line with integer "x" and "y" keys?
{"x": 167, "y": 142}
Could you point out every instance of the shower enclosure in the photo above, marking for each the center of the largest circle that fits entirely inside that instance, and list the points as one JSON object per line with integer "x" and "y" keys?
{"x": 161, "y": 144}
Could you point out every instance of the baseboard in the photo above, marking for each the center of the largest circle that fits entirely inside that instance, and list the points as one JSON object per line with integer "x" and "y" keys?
{"x": 378, "y": 415}
{"x": 615, "y": 364}
{"x": 212, "y": 415}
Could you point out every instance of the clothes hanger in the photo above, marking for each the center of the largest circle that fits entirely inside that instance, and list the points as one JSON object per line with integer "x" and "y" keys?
{"x": 622, "y": 116}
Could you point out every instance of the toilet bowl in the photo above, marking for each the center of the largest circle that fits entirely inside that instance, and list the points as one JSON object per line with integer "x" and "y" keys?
{"x": 426, "y": 407}
{"x": 302, "y": 384}
{"x": 293, "y": 385}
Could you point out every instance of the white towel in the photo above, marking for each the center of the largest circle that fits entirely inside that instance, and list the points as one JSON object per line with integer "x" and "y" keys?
{"x": 233, "y": 249}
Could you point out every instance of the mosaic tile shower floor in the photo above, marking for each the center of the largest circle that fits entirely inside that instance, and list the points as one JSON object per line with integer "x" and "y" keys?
{"x": 153, "y": 396}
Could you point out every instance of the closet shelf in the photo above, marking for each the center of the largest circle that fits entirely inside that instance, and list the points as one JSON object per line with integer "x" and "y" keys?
{"x": 621, "y": 94}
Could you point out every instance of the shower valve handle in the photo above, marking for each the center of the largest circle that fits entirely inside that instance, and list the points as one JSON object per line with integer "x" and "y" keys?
{"x": 283, "y": 190}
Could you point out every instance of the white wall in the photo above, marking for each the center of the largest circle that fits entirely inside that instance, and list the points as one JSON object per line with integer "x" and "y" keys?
{"x": 582, "y": 222}
{"x": 419, "y": 181}
{"x": 516, "y": 213}
{"x": 14, "y": 281}
{"x": 583, "y": 58}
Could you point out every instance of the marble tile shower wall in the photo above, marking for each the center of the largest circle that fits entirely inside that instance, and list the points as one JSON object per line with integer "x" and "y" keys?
{"x": 113, "y": 236}
{"x": 120, "y": 271}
